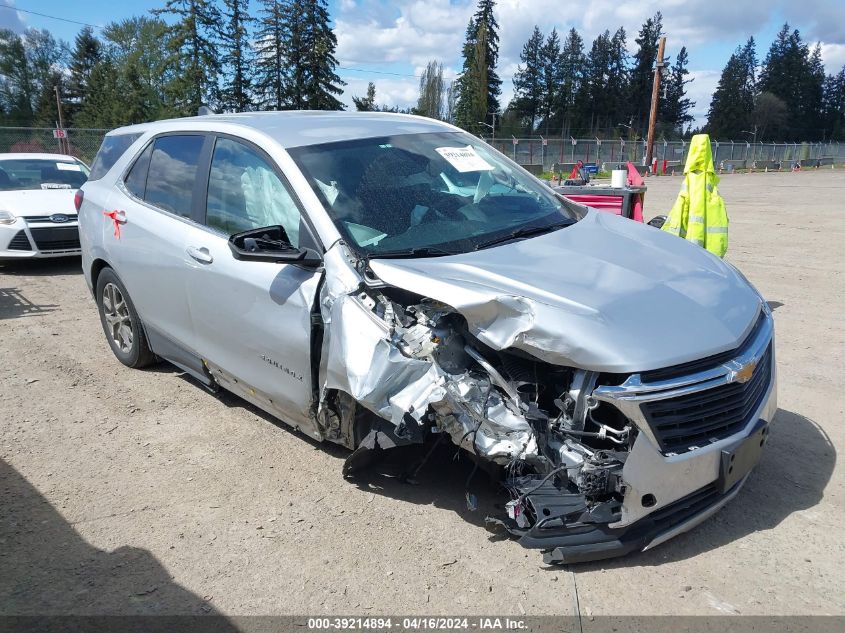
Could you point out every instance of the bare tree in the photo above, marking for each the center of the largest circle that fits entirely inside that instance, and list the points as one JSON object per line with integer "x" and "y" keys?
{"x": 430, "y": 103}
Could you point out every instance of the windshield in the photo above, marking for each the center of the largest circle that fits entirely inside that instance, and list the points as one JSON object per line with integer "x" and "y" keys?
{"x": 36, "y": 173}
{"x": 431, "y": 193}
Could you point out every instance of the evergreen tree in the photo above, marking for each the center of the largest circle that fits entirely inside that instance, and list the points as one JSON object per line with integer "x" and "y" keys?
{"x": 46, "y": 112}
{"x": 430, "y": 102}
{"x": 368, "y": 103}
{"x": 834, "y": 107}
{"x": 618, "y": 82}
{"x": 310, "y": 44}
{"x": 572, "y": 68}
{"x": 675, "y": 106}
{"x": 270, "y": 55}
{"x": 794, "y": 75}
{"x": 479, "y": 86}
{"x": 484, "y": 19}
{"x": 642, "y": 73}
{"x": 86, "y": 54}
{"x": 732, "y": 107}
{"x": 528, "y": 82}
{"x": 237, "y": 57}
{"x": 104, "y": 104}
{"x": 467, "y": 108}
{"x": 194, "y": 40}
{"x": 601, "y": 98}
{"x": 551, "y": 73}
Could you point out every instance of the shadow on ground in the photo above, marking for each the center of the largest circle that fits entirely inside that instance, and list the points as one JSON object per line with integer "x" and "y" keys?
{"x": 42, "y": 267}
{"x": 49, "y": 569}
{"x": 791, "y": 477}
{"x": 13, "y": 304}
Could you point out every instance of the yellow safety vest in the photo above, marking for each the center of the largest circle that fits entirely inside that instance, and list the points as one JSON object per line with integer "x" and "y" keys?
{"x": 699, "y": 213}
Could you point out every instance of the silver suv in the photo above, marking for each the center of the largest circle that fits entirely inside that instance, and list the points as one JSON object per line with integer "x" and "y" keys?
{"x": 380, "y": 280}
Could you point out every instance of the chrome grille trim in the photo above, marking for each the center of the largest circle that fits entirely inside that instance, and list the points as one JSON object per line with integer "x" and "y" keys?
{"x": 633, "y": 393}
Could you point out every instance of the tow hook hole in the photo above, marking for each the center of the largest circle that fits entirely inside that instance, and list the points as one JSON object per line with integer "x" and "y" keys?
{"x": 648, "y": 500}
{"x": 546, "y": 511}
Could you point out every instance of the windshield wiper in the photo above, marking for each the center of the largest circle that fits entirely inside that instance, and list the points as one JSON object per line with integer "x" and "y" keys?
{"x": 419, "y": 251}
{"x": 525, "y": 231}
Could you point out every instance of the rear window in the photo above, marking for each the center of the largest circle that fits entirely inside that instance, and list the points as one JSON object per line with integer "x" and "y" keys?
{"x": 110, "y": 151}
{"x": 22, "y": 174}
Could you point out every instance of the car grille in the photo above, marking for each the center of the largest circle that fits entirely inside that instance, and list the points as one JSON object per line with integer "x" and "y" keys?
{"x": 56, "y": 238}
{"x": 687, "y": 507}
{"x": 20, "y": 242}
{"x": 701, "y": 417}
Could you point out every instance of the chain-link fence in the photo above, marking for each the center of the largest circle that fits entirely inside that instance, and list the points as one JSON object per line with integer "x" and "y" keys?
{"x": 82, "y": 143}
{"x": 544, "y": 155}
{"x": 728, "y": 155}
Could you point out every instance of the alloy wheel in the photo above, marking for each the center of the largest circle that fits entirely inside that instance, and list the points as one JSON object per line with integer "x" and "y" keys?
{"x": 116, "y": 313}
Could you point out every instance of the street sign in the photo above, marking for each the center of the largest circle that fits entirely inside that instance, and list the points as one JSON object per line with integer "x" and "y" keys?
{"x": 59, "y": 133}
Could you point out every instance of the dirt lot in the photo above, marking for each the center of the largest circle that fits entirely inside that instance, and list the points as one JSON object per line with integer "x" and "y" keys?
{"x": 128, "y": 491}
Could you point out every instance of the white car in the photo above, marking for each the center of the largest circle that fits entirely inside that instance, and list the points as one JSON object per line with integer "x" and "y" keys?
{"x": 37, "y": 207}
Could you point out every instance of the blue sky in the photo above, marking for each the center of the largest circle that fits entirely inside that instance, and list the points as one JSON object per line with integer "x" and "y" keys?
{"x": 391, "y": 40}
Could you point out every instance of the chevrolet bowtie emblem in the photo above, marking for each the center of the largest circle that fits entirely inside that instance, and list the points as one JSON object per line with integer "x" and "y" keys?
{"x": 744, "y": 373}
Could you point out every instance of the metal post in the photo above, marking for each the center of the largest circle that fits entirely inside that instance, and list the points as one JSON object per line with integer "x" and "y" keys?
{"x": 655, "y": 95}
{"x": 62, "y": 141}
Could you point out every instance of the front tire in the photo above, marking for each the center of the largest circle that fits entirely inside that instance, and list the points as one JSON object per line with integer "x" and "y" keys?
{"x": 120, "y": 322}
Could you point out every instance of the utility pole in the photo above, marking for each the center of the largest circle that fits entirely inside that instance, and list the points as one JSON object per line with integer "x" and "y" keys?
{"x": 655, "y": 94}
{"x": 62, "y": 141}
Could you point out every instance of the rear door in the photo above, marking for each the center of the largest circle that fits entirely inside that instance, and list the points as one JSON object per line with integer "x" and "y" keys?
{"x": 252, "y": 320}
{"x": 159, "y": 206}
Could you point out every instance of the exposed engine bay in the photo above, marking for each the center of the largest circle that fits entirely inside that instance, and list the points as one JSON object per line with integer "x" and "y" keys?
{"x": 558, "y": 451}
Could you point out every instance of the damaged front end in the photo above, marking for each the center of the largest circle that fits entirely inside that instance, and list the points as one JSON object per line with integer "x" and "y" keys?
{"x": 399, "y": 369}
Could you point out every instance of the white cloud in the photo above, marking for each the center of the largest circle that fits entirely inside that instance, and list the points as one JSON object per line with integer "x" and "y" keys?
{"x": 413, "y": 32}
{"x": 12, "y": 20}
{"x": 833, "y": 56}
{"x": 701, "y": 92}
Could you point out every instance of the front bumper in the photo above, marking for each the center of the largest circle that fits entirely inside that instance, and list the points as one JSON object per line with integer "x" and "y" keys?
{"x": 38, "y": 239}
{"x": 666, "y": 493}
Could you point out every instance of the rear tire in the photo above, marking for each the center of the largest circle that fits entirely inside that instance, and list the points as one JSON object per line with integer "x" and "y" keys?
{"x": 120, "y": 322}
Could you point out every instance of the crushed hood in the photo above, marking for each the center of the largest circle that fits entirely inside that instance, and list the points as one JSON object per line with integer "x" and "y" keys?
{"x": 606, "y": 294}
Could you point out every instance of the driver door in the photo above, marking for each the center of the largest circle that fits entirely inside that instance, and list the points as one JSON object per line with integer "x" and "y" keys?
{"x": 252, "y": 319}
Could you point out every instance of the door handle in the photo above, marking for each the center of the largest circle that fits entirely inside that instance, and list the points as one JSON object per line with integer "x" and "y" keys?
{"x": 200, "y": 254}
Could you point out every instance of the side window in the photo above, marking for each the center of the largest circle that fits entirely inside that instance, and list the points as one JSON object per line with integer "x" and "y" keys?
{"x": 173, "y": 169}
{"x": 110, "y": 151}
{"x": 136, "y": 179}
{"x": 245, "y": 193}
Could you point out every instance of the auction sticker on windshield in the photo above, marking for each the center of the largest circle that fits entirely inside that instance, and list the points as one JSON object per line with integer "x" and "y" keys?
{"x": 464, "y": 159}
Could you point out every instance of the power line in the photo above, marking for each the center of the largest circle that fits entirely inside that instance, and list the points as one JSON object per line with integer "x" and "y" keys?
{"x": 52, "y": 17}
{"x": 95, "y": 26}
{"x": 378, "y": 72}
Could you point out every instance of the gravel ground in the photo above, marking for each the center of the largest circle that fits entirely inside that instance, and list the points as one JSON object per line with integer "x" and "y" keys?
{"x": 128, "y": 491}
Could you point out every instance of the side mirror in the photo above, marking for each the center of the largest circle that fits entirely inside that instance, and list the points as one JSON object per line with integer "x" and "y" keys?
{"x": 271, "y": 244}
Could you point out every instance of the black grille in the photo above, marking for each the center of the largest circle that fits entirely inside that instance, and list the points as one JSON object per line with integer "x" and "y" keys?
{"x": 702, "y": 364}
{"x": 686, "y": 508}
{"x": 56, "y": 238}
{"x": 20, "y": 242}
{"x": 698, "y": 418}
